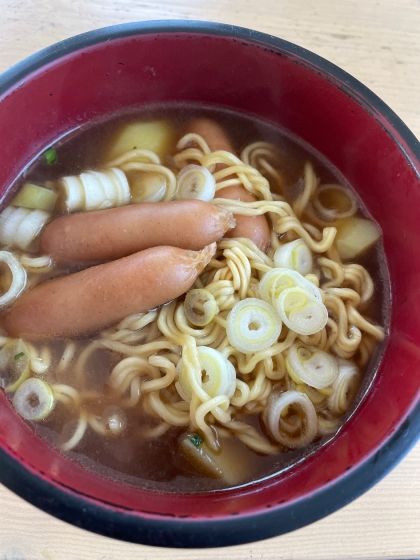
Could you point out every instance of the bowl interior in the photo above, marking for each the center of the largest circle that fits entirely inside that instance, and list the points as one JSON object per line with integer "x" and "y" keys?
{"x": 292, "y": 89}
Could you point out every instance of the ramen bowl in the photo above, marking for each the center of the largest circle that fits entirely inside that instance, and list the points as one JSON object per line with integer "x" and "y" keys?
{"x": 113, "y": 69}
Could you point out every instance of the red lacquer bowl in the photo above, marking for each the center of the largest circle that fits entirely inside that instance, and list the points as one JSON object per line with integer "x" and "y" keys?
{"x": 119, "y": 67}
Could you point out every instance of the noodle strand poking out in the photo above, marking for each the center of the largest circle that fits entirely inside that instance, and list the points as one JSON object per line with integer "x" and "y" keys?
{"x": 281, "y": 337}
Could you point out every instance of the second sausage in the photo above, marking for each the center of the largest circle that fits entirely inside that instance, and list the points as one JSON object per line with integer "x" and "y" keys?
{"x": 252, "y": 227}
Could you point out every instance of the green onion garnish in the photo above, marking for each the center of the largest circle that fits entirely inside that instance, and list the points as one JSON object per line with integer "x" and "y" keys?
{"x": 196, "y": 440}
{"x": 50, "y": 156}
{"x": 20, "y": 355}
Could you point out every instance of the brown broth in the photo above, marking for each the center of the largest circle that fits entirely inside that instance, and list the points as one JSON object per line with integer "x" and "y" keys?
{"x": 156, "y": 464}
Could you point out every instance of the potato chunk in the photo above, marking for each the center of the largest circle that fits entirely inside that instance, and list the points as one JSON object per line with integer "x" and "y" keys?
{"x": 157, "y": 136}
{"x": 234, "y": 463}
{"x": 354, "y": 236}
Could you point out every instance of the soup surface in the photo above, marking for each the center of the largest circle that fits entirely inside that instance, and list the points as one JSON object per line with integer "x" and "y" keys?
{"x": 258, "y": 364}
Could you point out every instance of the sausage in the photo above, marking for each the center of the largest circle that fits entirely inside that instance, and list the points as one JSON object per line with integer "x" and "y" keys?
{"x": 255, "y": 228}
{"x": 117, "y": 232}
{"x": 213, "y": 134}
{"x": 92, "y": 299}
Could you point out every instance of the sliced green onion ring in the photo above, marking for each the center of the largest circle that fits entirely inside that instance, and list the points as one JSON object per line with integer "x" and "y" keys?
{"x": 315, "y": 396}
{"x": 146, "y": 187}
{"x": 195, "y": 181}
{"x": 311, "y": 365}
{"x": 95, "y": 190}
{"x": 252, "y": 325}
{"x": 74, "y": 193}
{"x": 295, "y": 255}
{"x": 10, "y": 220}
{"x": 218, "y": 375}
{"x": 14, "y": 365}
{"x": 6, "y": 236}
{"x": 29, "y": 228}
{"x": 345, "y": 387}
{"x": 279, "y": 279}
{"x": 200, "y": 307}
{"x": 334, "y": 202}
{"x": 36, "y": 197}
{"x": 20, "y": 226}
{"x": 18, "y": 278}
{"x": 34, "y": 264}
{"x": 275, "y": 418}
{"x": 327, "y": 424}
{"x": 97, "y": 193}
{"x": 301, "y": 311}
{"x": 121, "y": 186}
{"x": 34, "y": 399}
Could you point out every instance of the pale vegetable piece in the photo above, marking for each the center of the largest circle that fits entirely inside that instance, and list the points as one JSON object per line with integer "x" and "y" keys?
{"x": 218, "y": 375}
{"x": 95, "y": 190}
{"x": 156, "y": 136}
{"x": 301, "y": 311}
{"x": 345, "y": 387}
{"x": 232, "y": 463}
{"x": 316, "y": 397}
{"x": 114, "y": 420}
{"x": 35, "y": 264}
{"x": 96, "y": 195}
{"x": 311, "y": 365}
{"x": 10, "y": 220}
{"x": 18, "y": 278}
{"x": 121, "y": 186}
{"x": 184, "y": 388}
{"x": 291, "y": 419}
{"x": 200, "y": 307}
{"x": 195, "y": 182}
{"x": 274, "y": 282}
{"x": 334, "y": 202}
{"x": 146, "y": 187}
{"x": 279, "y": 279}
{"x": 14, "y": 365}
{"x": 6, "y": 236}
{"x": 74, "y": 193}
{"x": 295, "y": 255}
{"x": 20, "y": 226}
{"x": 355, "y": 235}
{"x": 252, "y": 325}
{"x": 34, "y": 399}
{"x": 30, "y": 228}
{"x": 35, "y": 197}
{"x": 102, "y": 181}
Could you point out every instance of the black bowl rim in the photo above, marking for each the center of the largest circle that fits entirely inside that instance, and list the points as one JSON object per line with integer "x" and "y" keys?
{"x": 68, "y": 505}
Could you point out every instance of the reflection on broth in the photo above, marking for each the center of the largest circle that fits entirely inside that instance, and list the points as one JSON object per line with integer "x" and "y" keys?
{"x": 192, "y": 298}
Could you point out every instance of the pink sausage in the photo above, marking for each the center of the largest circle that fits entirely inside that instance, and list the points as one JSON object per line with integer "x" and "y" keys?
{"x": 255, "y": 228}
{"x": 93, "y": 299}
{"x": 106, "y": 235}
{"x": 252, "y": 227}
